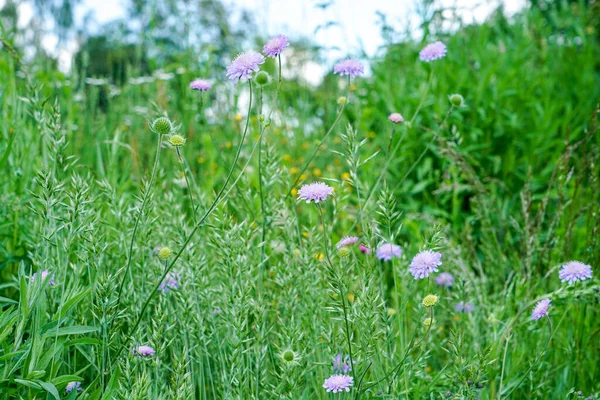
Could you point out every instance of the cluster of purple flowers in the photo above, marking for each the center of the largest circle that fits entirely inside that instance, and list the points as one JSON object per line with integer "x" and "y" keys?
{"x": 44, "y": 274}
{"x": 171, "y": 282}
{"x": 464, "y": 307}
{"x": 143, "y": 351}
{"x": 340, "y": 381}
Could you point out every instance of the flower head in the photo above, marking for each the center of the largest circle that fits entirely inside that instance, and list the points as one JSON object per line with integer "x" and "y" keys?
{"x": 317, "y": 192}
{"x": 171, "y": 282}
{"x": 430, "y": 300}
{"x": 338, "y": 383}
{"x": 73, "y": 385}
{"x": 387, "y": 251}
{"x": 574, "y": 271}
{"x": 425, "y": 263}
{"x": 244, "y": 65}
{"x": 344, "y": 252}
{"x": 445, "y": 279}
{"x": 200, "y": 84}
{"x": 427, "y": 322}
{"x": 464, "y": 307}
{"x": 275, "y": 46}
{"x": 342, "y": 364}
{"x": 44, "y": 274}
{"x": 365, "y": 249}
{"x": 349, "y": 67}
{"x": 396, "y": 118}
{"x": 143, "y": 351}
{"x": 433, "y": 51}
{"x": 541, "y": 309}
{"x": 347, "y": 241}
{"x": 262, "y": 78}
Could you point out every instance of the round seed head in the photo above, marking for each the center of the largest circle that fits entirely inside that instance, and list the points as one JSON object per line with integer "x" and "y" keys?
{"x": 164, "y": 253}
{"x": 457, "y": 100}
{"x": 162, "y": 126}
{"x": 430, "y": 300}
{"x": 262, "y": 78}
{"x": 176, "y": 140}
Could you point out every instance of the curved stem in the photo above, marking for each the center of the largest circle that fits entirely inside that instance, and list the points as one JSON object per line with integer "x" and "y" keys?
{"x": 196, "y": 227}
{"x": 136, "y": 225}
{"x": 314, "y": 154}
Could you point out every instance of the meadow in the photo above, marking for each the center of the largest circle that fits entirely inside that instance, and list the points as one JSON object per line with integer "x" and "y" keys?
{"x": 427, "y": 228}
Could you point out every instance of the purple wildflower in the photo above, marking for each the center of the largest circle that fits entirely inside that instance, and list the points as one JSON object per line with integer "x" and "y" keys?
{"x": 541, "y": 309}
{"x": 396, "y": 118}
{"x": 433, "y": 51}
{"x": 171, "y": 282}
{"x": 445, "y": 279}
{"x": 44, "y": 274}
{"x": 347, "y": 241}
{"x": 365, "y": 249}
{"x": 342, "y": 364}
{"x": 317, "y": 192}
{"x": 574, "y": 271}
{"x": 200, "y": 84}
{"x": 243, "y": 65}
{"x": 143, "y": 351}
{"x": 349, "y": 67}
{"x": 464, "y": 307}
{"x": 275, "y": 46}
{"x": 425, "y": 263}
{"x": 387, "y": 251}
{"x": 73, "y": 385}
{"x": 338, "y": 383}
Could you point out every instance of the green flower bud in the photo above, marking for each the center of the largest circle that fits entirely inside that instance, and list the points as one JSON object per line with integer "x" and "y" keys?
{"x": 176, "y": 140}
{"x": 342, "y": 100}
{"x": 262, "y": 78}
{"x": 343, "y": 252}
{"x": 162, "y": 126}
{"x": 457, "y": 100}
{"x": 164, "y": 253}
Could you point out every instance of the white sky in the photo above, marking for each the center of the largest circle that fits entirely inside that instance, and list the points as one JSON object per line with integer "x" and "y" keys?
{"x": 358, "y": 28}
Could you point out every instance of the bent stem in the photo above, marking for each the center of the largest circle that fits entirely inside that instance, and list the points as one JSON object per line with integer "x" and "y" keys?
{"x": 208, "y": 212}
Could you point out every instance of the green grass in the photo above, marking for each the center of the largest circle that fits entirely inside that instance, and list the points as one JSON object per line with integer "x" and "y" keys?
{"x": 506, "y": 188}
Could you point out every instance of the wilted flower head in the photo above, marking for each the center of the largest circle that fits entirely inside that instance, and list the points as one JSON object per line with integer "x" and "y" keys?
{"x": 433, "y": 51}
{"x": 73, "y": 385}
{"x": 143, "y": 351}
{"x": 244, "y": 65}
{"x": 365, "y": 249}
{"x": 347, "y": 241}
{"x": 425, "y": 263}
{"x": 387, "y": 251}
{"x": 464, "y": 307}
{"x": 44, "y": 274}
{"x": 574, "y": 271}
{"x": 430, "y": 300}
{"x": 200, "y": 84}
{"x": 396, "y": 118}
{"x": 445, "y": 279}
{"x": 317, "y": 192}
{"x": 342, "y": 364}
{"x": 349, "y": 67}
{"x": 171, "y": 282}
{"x": 541, "y": 309}
{"x": 338, "y": 383}
{"x": 275, "y": 46}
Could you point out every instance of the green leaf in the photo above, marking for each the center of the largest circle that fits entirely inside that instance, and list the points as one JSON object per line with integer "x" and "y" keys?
{"x": 71, "y": 330}
{"x": 50, "y": 388}
{"x": 72, "y": 302}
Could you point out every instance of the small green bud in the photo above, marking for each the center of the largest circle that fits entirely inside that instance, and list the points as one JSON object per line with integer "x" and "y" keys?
{"x": 262, "y": 78}
{"x": 342, "y": 100}
{"x": 162, "y": 126}
{"x": 457, "y": 100}
{"x": 288, "y": 355}
{"x": 176, "y": 140}
{"x": 343, "y": 252}
{"x": 164, "y": 253}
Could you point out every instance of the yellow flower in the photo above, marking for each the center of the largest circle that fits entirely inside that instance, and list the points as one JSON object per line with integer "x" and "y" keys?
{"x": 200, "y": 160}
{"x": 238, "y": 117}
{"x": 372, "y": 135}
{"x": 228, "y": 145}
{"x": 319, "y": 256}
{"x": 345, "y": 176}
{"x": 350, "y": 297}
{"x": 430, "y": 300}
{"x": 294, "y": 170}
{"x": 305, "y": 234}
{"x": 303, "y": 177}
{"x": 294, "y": 192}
{"x": 317, "y": 172}
{"x": 286, "y": 158}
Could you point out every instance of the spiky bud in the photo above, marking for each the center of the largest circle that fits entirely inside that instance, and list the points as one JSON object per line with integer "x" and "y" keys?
{"x": 457, "y": 100}
{"x": 162, "y": 126}
{"x": 176, "y": 140}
